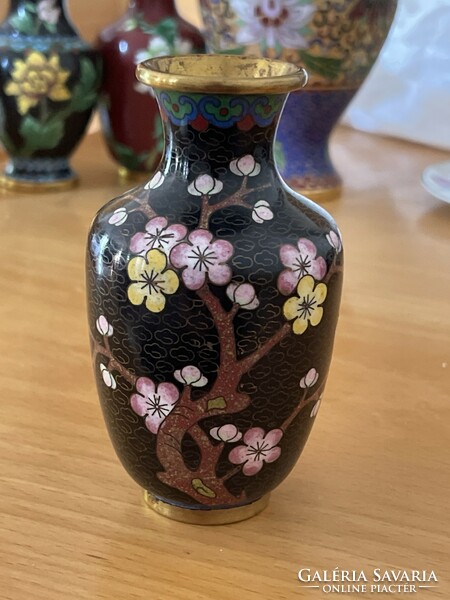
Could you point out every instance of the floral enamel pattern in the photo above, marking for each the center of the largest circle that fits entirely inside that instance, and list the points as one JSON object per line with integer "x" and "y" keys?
{"x": 168, "y": 258}
{"x": 337, "y": 41}
{"x": 34, "y": 19}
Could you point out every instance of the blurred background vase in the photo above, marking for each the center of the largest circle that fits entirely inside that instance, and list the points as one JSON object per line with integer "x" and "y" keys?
{"x": 337, "y": 41}
{"x": 49, "y": 82}
{"x": 129, "y": 114}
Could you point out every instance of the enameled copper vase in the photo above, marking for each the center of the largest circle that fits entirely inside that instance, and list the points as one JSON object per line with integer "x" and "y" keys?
{"x": 130, "y": 118}
{"x": 49, "y": 82}
{"x": 213, "y": 295}
{"x": 337, "y": 41}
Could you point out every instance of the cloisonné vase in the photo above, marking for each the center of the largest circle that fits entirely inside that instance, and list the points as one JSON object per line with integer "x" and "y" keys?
{"x": 337, "y": 41}
{"x": 129, "y": 113}
{"x": 213, "y": 295}
{"x": 49, "y": 82}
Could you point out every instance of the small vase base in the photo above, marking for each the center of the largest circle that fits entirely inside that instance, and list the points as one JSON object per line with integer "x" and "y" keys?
{"x": 218, "y": 516}
{"x": 38, "y": 187}
{"x": 320, "y": 194}
{"x": 126, "y": 175}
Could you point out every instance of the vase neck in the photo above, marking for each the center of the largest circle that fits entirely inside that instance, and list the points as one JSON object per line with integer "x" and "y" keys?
{"x": 208, "y": 132}
{"x": 152, "y": 10}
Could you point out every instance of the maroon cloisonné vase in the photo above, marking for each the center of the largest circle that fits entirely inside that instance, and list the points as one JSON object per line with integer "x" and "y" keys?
{"x": 129, "y": 113}
{"x": 213, "y": 297}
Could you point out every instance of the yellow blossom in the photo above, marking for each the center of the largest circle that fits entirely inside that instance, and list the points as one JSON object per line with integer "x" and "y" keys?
{"x": 36, "y": 78}
{"x": 306, "y": 308}
{"x": 151, "y": 280}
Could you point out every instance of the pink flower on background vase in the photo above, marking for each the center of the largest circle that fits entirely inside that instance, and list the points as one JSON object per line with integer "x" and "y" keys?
{"x": 260, "y": 447}
{"x": 202, "y": 257}
{"x": 272, "y": 23}
{"x": 48, "y": 12}
{"x": 158, "y": 234}
{"x": 300, "y": 261}
{"x": 154, "y": 402}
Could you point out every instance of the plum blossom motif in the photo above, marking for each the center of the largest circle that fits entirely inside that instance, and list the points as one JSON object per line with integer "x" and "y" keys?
{"x": 191, "y": 376}
{"x": 157, "y": 180}
{"x": 260, "y": 447}
{"x": 245, "y": 166}
{"x": 310, "y": 379}
{"x": 300, "y": 261}
{"x": 316, "y": 407}
{"x": 158, "y": 234}
{"x": 334, "y": 239}
{"x": 154, "y": 402}
{"x": 272, "y": 23}
{"x": 201, "y": 257}
{"x": 48, "y": 12}
{"x": 103, "y": 327}
{"x": 205, "y": 185}
{"x": 262, "y": 211}
{"x": 119, "y": 216}
{"x": 108, "y": 379}
{"x": 306, "y": 308}
{"x": 151, "y": 280}
{"x": 226, "y": 433}
{"x": 243, "y": 294}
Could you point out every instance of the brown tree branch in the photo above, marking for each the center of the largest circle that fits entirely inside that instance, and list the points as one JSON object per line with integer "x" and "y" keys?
{"x": 113, "y": 363}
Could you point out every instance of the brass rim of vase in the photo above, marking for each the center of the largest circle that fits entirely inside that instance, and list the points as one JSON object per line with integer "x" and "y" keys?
{"x": 221, "y": 73}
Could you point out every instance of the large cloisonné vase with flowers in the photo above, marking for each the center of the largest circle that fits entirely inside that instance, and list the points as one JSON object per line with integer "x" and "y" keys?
{"x": 129, "y": 113}
{"x": 213, "y": 295}
{"x": 49, "y": 82}
{"x": 337, "y": 41}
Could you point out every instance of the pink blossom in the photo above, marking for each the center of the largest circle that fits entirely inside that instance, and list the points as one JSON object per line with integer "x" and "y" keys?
{"x": 243, "y": 294}
{"x": 246, "y": 165}
{"x": 205, "y": 185}
{"x": 158, "y": 234}
{"x": 300, "y": 261}
{"x": 334, "y": 239}
{"x": 153, "y": 401}
{"x": 119, "y": 216}
{"x": 316, "y": 407}
{"x": 155, "y": 181}
{"x": 48, "y": 12}
{"x": 103, "y": 327}
{"x": 260, "y": 447}
{"x": 262, "y": 212}
{"x": 226, "y": 433}
{"x": 201, "y": 257}
{"x": 310, "y": 379}
{"x": 107, "y": 377}
{"x": 191, "y": 376}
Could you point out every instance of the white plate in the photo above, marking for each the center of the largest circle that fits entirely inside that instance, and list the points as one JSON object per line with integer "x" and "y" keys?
{"x": 436, "y": 180}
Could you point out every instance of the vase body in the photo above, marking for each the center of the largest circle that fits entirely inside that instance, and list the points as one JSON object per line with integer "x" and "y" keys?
{"x": 213, "y": 295}
{"x": 129, "y": 113}
{"x": 49, "y": 82}
{"x": 337, "y": 41}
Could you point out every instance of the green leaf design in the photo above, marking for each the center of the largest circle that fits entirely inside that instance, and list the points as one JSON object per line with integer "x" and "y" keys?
{"x": 41, "y": 136}
{"x": 330, "y": 68}
{"x": 203, "y": 489}
{"x": 127, "y": 157}
{"x": 30, "y": 7}
{"x": 24, "y": 23}
{"x": 217, "y": 403}
{"x": 280, "y": 157}
{"x": 50, "y": 27}
{"x": 84, "y": 94}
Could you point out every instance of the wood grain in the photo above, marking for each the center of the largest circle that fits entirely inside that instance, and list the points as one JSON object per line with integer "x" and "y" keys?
{"x": 372, "y": 487}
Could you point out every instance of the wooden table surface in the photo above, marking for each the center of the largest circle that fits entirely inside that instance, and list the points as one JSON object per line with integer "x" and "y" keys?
{"x": 372, "y": 487}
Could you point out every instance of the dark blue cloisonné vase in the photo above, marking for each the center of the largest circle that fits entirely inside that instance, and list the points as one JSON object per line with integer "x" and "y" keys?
{"x": 337, "y": 41}
{"x": 49, "y": 80}
{"x": 213, "y": 294}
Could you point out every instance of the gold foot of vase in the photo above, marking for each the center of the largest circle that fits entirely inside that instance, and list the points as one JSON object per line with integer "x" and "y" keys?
{"x": 321, "y": 194}
{"x": 37, "y": 187}
{"x": 220, "y": 516}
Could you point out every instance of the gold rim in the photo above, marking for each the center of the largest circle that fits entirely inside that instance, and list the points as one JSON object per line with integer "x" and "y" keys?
{"x": 219, "y": 516}
{"x": 37, "y": 187}
{"x": 221, "y": 73}
{"x": 319, "y": 194}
